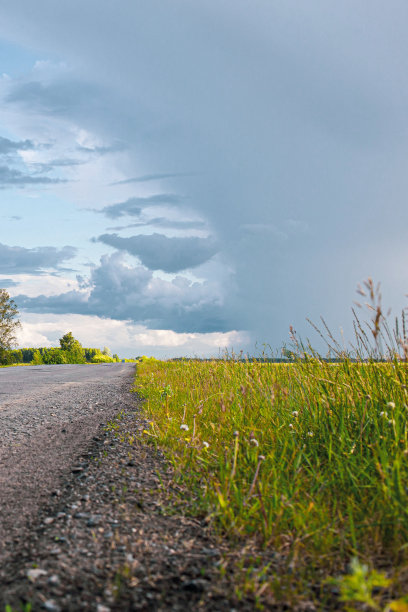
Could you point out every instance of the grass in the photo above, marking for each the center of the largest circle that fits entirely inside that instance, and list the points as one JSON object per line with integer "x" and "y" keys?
{"x": 308, "y": 459}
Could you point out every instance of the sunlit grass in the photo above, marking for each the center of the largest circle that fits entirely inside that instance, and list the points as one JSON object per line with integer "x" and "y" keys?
{"x": 309, "y": 459}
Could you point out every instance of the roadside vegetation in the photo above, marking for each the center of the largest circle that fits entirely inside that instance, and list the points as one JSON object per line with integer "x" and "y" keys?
{"x": 69, "y": 351}
{"x": 303, "y": 464}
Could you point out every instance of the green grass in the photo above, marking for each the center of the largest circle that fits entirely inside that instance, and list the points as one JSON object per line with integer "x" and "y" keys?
{"x": 309, "y": 459}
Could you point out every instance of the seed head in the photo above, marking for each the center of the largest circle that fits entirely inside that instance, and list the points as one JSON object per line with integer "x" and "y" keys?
{"x": 295, "y": 413}
{"x": 391, "y": 405}
{"x": 184, "y": 427}
{"x": 254, "y": 442}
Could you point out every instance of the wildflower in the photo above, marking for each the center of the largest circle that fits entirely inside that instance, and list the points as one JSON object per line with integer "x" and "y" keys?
{"x": 184, "y": 427}
{"x": 290, "y": 425}
{"x": 383, "y": 414}
{"x": 310, "y": 434}
{"x": 236, "y": 434}
{"x": 205, "y": 444}
{"x": 254, "y": 442}
{"x": 391, "y": 422}
{"x": 391, "y": 405}
{"x": 295, "y": 413}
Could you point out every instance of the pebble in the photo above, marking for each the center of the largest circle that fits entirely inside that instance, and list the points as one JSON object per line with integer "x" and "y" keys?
{"x": 35, "y": 573}
{"x": 48, "y": 520}
{"x": 51, "y": 606}
{"x": 102, "y": 608}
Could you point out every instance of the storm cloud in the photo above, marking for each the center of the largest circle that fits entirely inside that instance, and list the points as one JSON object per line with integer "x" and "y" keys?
{"x": 133, "y": 206}
{"x": 159, "y": 252}
{"x": 293, "y": 115}
{"x": 20, "y": 260}
{"x": 118, "y": 291}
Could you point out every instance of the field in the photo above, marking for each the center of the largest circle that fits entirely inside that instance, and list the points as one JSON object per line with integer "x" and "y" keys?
{"x": 304, "y": 465}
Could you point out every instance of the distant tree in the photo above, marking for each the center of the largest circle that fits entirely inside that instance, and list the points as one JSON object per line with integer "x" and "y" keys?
{"x": 74, "y": 353}
{"x": 106, "y": 351}
{"x": 9, "y": 323}
{"x": 115, "y": 357}
{"x": 69, "y": 343}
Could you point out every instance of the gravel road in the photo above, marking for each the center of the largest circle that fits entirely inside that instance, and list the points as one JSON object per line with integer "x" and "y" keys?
{"x": 48, "y": 415}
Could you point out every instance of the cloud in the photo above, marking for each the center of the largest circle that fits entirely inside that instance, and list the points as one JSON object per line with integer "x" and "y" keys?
{"x": 159, "y": 252}
{"x": 20, "y": 260}
{"x": 9, "y": 146}
{"x": 8, "y": 282}
{"x": 126, "y": 339}
{"x": 56, "y": 97}
{"x": 164, "y": 223}
{"x": 152, "y": 177}
{"x": 118, "y": 291}
{"x": 11, "y": 176}
{"x": 133, "y": 206}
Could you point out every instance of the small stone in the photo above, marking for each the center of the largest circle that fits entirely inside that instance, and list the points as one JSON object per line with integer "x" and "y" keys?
{"x": 35, "y": 573}
{"x": 55, "y": 551}
{"x": 94, "y": 520}
{"x": 77, "y": 469}
{"x": 108, "y": 534}
{"x": 48, "y": 520}
{"x": 54, "y": 580}
{"x": 102, "y": 608}
{"x": 51, "y": 606}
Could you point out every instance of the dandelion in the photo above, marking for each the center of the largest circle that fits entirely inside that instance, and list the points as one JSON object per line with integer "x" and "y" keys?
{"x": 295, "y": 413}
{"x": 391, "y": 405}
{"x": 254, "y": 442}
{"x": 184, "y": 427}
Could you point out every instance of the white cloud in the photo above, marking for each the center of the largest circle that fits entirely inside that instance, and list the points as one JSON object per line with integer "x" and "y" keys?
{"x": 123, "y": 337}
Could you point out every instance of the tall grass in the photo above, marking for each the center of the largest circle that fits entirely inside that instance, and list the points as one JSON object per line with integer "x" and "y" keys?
{"x": 310, "y": 458}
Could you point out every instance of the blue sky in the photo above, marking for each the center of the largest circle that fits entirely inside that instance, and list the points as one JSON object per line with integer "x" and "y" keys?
{"x": 178, "y": 177}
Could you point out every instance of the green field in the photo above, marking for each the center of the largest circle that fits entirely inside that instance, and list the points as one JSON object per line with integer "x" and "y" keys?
{"x": 308, "y": 459}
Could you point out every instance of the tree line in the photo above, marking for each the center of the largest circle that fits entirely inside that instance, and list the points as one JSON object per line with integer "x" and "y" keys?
{"x": 69, "y": 351}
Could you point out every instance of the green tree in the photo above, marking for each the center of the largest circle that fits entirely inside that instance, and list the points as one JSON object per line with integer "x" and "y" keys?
{"x": 9, "y": 324}
{"x": 69, "y": 343}
{"x": 74, "y": 353}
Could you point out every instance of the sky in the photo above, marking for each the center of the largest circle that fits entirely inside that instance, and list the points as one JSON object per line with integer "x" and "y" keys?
{"x": 178, "y": 177}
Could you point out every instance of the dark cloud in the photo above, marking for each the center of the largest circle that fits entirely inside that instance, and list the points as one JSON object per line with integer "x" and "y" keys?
{"x": 12, "y": 176}
{"x": 10, "y": 146}
{"x": 163, "y": 223}
{"x": 134, "y": 294}
{"x": 19, "y": 260}
{"x": 133, "y": 206}
{"x": 152, "y": 177}
{"x": 159, "y": 252}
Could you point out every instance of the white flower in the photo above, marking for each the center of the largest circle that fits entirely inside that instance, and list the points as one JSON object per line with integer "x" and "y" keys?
{"x": 254, "y": 442}
{"x": 184, "y": 427}
{"x": 310, "y": 434}
{"x": 391, "y": 422}
{"x": 383, "y": 414}
{"x": 391, "y": 405}
{"x": 295, "y": 413}
{"x": 290, "y": 425}
{"x": 205, "y": 444}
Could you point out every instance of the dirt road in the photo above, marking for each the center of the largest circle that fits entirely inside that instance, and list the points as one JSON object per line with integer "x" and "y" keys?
{"x": 48, "y": 416}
